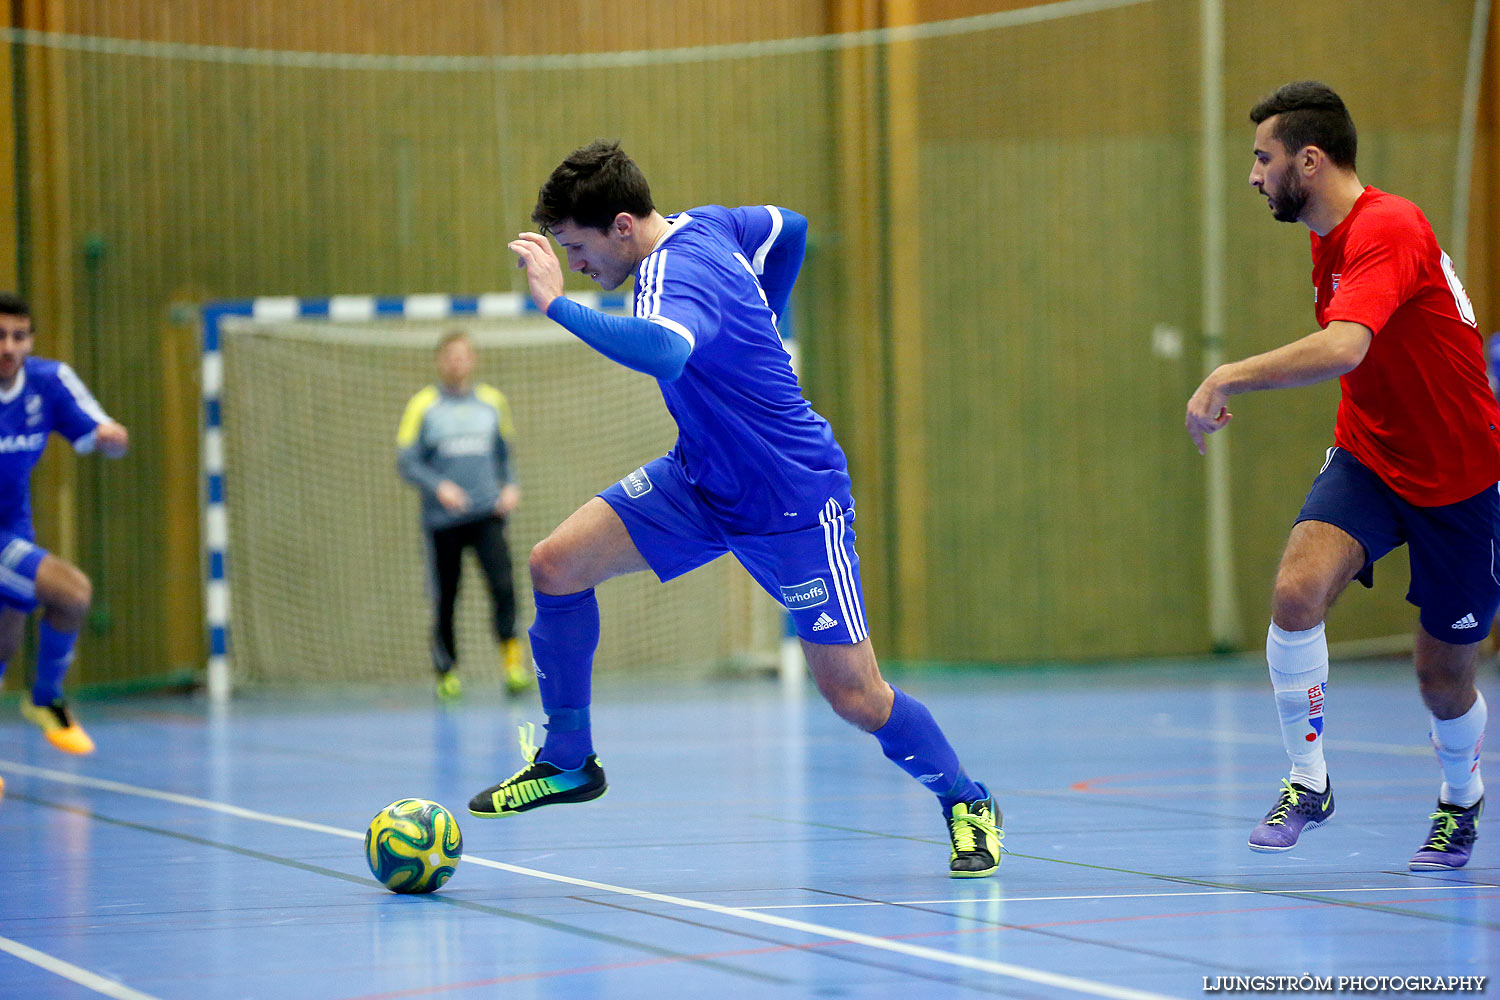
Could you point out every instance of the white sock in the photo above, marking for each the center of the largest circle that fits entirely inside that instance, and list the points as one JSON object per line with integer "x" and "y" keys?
{"x": 1457, "y": 742}
{"x": 1299, "y": 675}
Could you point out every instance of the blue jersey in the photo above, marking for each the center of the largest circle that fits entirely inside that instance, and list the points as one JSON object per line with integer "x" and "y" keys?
{"x": 758, "y": 454}
{"x": 47, "y": 396}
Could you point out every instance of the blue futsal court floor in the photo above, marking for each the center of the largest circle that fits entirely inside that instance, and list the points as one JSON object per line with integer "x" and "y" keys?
{"x": 751, "y": 845}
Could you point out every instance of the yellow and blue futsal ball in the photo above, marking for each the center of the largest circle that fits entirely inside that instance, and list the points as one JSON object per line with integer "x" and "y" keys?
{"x": 413, "y": 845}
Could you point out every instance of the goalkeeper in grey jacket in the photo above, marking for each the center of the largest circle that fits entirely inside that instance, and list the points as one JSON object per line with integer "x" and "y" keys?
{"x": 454, "y": 446}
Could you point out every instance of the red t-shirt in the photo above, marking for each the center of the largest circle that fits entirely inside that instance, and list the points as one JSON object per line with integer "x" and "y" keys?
{"x": 1418, "y": 410}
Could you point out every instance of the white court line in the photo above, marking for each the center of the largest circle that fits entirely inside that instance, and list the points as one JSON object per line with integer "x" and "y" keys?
{"x": 1269, "y": 739}
{"x": 1006, "y": 969}
{"x": 1289, "y": 893}
{"x": 83, "y": 977}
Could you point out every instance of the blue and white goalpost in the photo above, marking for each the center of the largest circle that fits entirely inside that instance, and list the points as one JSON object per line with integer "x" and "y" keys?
{"x": 328, "y": 585}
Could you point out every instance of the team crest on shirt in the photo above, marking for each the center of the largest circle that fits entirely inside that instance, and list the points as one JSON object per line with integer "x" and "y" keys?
{"x": 1336, "y": 278}
{"x": 33, "y": 410}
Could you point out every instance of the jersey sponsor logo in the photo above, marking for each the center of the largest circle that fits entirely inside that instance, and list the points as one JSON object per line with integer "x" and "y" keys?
{"x": 465, "y": 444}
{"x": 805, "y": 595}
{"x": 637, "y": 484}
{"x": 22, "y": 442}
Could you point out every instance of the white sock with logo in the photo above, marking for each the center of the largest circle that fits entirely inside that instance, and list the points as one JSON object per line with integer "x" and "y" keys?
{"x": 1457, "y": 742}
{"x": 1299, "y": 675}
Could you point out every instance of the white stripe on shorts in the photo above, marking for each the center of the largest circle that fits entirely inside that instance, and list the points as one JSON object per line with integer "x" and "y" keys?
{"x": 842, "y": 571}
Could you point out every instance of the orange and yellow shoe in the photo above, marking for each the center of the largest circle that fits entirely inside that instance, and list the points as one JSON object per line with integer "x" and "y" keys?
{"x": 57, "y": 723}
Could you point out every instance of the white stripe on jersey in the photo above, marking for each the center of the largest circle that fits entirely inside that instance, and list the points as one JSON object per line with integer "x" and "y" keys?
{"x": 765, "y": 248}
{"x": 642, "y": 282}
{"x": 648, "y": 289}
{"x": 832, "y": 519}
{"x": 80, "y": 393}
{"x": 655, "y": 291}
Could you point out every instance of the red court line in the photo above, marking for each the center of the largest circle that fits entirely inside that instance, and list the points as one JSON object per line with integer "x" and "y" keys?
{"x": 1092, "y": 784}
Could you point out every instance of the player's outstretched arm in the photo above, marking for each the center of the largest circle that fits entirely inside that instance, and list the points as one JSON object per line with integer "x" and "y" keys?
{"x": 629, "y": 340}
{"x": 1335, "y": 350}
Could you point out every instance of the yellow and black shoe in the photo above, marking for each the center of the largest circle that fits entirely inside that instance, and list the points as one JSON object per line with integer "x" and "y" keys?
{"x": 56, "y": 722}
{"x": 539, "y": 784}
{"x": 519, "y": 677}
{"x": 974, "y": 829}
{"x": 449, "y": 686}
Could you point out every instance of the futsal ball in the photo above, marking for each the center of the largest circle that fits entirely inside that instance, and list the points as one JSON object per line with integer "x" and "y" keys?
{"x": 413, "y": 845}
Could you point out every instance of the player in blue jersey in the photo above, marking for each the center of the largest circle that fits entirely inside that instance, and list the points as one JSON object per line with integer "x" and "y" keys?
{"x": 38, "y": 397}
{"x": 755, "y": 471}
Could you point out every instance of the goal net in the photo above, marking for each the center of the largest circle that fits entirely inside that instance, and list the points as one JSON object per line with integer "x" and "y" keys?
{"x": 316, "y": 553}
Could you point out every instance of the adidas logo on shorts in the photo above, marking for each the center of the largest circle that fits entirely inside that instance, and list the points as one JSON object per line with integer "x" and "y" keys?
{"x": 823, "y": 622}
{"x": 1467, "y": 621}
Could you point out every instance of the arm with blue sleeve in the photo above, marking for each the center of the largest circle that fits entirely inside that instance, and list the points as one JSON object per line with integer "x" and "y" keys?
{"x": 636, "y": 343}
{"x": 783, "y": 258}
{"x": 78, "y": 415}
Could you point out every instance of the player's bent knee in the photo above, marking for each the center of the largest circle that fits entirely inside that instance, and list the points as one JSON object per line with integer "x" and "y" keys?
{"x": 67, "y": 590}
{"x": 551, "y": 568}
{"x": 1298, "y": 604}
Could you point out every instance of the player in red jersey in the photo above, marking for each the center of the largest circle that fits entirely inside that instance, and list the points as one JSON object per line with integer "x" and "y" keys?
{"x": 1416, "y": 459}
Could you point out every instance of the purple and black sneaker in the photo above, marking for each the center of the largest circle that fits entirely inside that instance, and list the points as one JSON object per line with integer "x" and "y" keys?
{"x": 1454, "y": 830}
{"x": 1298, "y": 808}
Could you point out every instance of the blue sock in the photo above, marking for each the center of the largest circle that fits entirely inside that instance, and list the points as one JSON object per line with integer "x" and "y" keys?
{"x": 563, "y": 639}
{"x": 54, "y": 652}
{"x": 913, "y": 742}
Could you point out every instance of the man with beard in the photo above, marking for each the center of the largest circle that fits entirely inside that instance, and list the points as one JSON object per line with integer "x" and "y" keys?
{"x": 1415, "y": 460}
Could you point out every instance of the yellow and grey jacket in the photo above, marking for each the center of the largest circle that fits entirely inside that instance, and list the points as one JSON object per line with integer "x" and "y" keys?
{"x": 463, "y": 438}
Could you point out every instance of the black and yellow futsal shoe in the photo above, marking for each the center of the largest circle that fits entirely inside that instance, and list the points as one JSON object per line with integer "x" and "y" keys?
{"x": 539, "y": 784}
{"x": 974, "y": 829}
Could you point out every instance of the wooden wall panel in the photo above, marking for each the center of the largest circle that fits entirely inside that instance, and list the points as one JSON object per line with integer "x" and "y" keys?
{"x": 1000, "y": 222}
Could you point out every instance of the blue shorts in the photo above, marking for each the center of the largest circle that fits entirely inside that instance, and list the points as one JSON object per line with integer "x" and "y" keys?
{"x": 813, "y": 571}
{"x": 19, "y": 558}
{"x": 1452, "y": 548}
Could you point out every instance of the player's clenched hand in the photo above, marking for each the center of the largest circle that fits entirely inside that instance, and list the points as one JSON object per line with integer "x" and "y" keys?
{"x": 1207, "y": 411}
{"x": 111, "y": 439}
{"x": 543, "y": 270}
{"x": 452, "y": 497}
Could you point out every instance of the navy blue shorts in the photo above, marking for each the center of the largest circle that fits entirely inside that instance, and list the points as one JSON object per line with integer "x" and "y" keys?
{"x": 1452, "y": 548}
{"x": 813, "y": 572}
